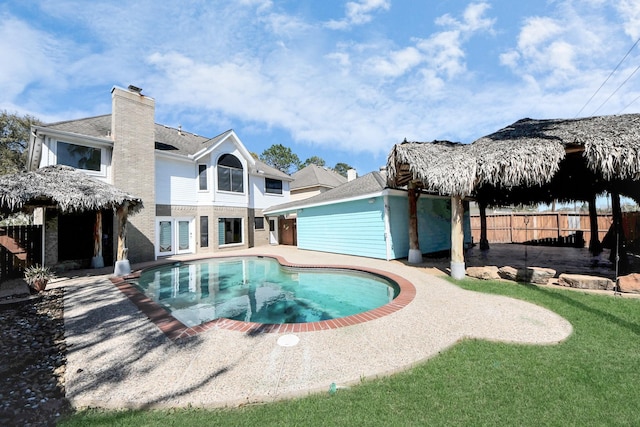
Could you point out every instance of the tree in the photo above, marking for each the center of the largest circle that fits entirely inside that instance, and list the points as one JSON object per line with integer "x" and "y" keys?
{"x": 280, "y": 157}
{"x": 314, "y": 160}
{"x": 14, "y": 139}
{"x": 342, "y": 168}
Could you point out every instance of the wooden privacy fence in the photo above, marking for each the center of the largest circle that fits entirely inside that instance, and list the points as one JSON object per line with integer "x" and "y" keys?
{"x": 20, "y": 246}
{"x": 542, "y": 227}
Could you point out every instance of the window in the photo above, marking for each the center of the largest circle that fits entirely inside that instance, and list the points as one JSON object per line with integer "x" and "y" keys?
{"x": 79, "y": 156}
{"x": 230, "y": 176}
{"x": 204, "y": 231}
{"x": 229, "y": 231}
{"x": 202, "y": 177}
{"x": 259, "y": 223}
{"x": 273, "y": 186}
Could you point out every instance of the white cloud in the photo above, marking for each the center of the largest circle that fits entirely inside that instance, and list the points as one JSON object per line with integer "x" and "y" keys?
{"x": 473, "y": 19}
{"x": 630, "y": 12}
{"x": 396, "y": 64}
{"x": 28, "y": 56}
{"x": 358, "y": 13}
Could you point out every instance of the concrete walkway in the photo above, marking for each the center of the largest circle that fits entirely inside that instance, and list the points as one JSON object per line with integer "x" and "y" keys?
{"x": 117, "y": 358}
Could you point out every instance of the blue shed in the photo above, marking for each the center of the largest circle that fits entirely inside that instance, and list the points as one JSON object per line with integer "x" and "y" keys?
{"x": 365, "y": 218}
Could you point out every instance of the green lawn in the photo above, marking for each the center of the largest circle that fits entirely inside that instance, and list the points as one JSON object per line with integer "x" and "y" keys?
{"x": 591, "y": 379}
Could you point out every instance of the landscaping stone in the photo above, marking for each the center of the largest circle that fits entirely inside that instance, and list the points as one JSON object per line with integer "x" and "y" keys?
{"x": 582, "y": 281}
{"x": 538, "y": 275}
{"x": 33, "y": 349}
{"x": 489, "y": 272}
{"x": 630, "y": 283}
{"x": 508, "y": 273}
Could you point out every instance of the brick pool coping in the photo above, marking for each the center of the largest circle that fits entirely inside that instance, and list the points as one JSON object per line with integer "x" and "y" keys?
{"x": 175, "y": 330}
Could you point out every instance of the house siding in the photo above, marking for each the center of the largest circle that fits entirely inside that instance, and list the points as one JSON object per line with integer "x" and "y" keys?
{"x": 354, "y": 228}
{"x": 434, "y": 225}
{"x": 175, "y": 183}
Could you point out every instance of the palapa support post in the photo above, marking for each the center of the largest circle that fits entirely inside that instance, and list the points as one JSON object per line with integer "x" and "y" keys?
{"x": 618, "y": 254}
{"x": 458, "y": 270}
{"x": 484, "y": 242}
{"x": 97, "y": 261}
{"x": 122, "y": 266}
{"x": 595, "y": 247}
{"x": 415, "y": 254}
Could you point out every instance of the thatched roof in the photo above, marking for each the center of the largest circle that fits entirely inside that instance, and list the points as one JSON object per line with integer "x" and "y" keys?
{"x": 530, "y": 161}
{"x": 442, "y": 167}
{"x": 63, "y": 187}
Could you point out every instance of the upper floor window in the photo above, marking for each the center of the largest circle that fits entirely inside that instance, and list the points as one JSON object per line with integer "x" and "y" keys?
{"x": 230, "y": 175}
{"x": 273, "y": 186}
{"x": 79, "y": 156}
{"x": 202, "y": 177}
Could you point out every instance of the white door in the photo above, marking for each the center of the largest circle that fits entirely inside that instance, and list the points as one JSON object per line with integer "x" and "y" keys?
{"x": 185, "y": 236}
{"x": 175, "y": 236}
{"x": 165, "y": 237}
{"x": 273, "y": 231}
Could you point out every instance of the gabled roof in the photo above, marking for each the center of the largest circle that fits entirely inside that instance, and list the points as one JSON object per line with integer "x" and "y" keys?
{"x": 167, "y": 139}
{"x": 367, "y": 185}
{"x": 316, "y": 176}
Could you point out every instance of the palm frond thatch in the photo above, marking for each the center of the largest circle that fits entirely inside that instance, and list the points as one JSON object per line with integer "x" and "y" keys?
{"x": 64, "y": 187}
{"x": 528, "y": 155}
{"x": 440, "y": 166}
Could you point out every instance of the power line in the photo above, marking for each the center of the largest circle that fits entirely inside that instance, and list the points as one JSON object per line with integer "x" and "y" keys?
{"x": 614, "y": 92}
{"x": 607, "y": 79}
{"x": 630, "y": 104}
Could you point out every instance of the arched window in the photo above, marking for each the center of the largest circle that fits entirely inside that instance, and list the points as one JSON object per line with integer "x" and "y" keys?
{"x": 230, "y": 174}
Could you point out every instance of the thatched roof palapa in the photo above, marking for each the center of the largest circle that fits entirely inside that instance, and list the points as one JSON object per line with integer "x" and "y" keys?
{"x": 63, "y": 187}
{"x": 530, "y": 161}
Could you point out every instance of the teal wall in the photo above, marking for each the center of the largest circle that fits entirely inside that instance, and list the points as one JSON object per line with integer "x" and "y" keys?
{"x": 354, "y": 228}
{"x": 434, "y": 225}
{"x": 357, "y": 227}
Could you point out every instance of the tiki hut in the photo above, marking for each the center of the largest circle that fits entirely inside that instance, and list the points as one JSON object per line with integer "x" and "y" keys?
{"x": 68, "y": 190}
{"x": 531, "y": 161}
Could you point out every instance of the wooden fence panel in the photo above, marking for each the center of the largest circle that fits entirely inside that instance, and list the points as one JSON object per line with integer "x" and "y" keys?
{"x": 520, "y": 227}
{"x": 20, "y": 246}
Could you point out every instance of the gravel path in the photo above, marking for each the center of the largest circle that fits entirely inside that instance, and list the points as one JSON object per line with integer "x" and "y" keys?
{"x": 33, "y": 351}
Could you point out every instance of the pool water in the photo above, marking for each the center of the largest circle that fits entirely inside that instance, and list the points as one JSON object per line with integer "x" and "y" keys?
{"x": 257, "y": 289}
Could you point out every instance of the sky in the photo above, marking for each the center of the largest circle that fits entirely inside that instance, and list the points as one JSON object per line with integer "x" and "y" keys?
{"x": 342, "y": 80}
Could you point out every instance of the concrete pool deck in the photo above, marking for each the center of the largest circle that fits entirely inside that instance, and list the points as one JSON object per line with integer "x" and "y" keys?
{"x": 118, "y": 358}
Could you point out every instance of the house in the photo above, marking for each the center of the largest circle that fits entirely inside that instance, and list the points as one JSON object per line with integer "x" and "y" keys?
{"x": 313, "y": 180}
{"x": 307, "y": 182}
{"x": 364, "y": 217}
{"x": 200, "y": 194}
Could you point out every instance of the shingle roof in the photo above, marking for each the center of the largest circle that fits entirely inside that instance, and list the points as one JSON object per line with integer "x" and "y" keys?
{"x": 316, "y": 176}
{"x": 370, "y": 183}
{"x": 99, "y": 126}
{"x": 167, "y": 139}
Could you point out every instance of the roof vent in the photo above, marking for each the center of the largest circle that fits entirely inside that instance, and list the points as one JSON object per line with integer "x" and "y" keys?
{"x": 135, "y": 89}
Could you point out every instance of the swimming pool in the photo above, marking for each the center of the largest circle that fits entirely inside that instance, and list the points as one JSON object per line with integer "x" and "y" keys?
{"x": 261, "y": 290}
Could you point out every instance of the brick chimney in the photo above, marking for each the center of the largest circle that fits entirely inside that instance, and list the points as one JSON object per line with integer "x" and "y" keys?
{"x": 133, "y": 164}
